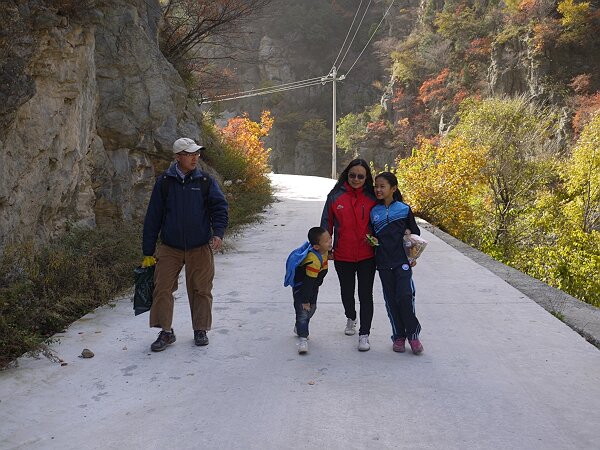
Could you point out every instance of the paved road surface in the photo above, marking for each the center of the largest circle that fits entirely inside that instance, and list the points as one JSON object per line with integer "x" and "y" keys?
{"x": 498, "y": 372}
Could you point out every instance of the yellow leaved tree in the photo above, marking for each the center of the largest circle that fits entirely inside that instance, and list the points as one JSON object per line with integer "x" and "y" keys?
{"x": 439, "y": 182}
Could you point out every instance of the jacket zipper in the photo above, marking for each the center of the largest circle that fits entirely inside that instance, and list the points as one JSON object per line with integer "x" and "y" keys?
{"x": 387, "y": 216}
{"x": 183, "y": 196}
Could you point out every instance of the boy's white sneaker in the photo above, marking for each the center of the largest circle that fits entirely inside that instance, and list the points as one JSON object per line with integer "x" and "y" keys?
{"x": 363, "y": 343}
{"x": 350, "y": 327}
{"x": 302, "y": 345}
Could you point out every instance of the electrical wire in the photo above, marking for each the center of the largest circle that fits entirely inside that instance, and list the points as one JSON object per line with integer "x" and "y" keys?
{"x": 211, "y": 100}
{"x": 266, "y": 88}
{"x": 347, "y": 34}
{"x": 374, "y": 33}
{"x": 355, "y": 33}
{"x": 274, "y": 90}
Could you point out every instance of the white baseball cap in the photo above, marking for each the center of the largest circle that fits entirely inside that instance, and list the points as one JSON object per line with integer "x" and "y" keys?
{"x": 186, "y": 145}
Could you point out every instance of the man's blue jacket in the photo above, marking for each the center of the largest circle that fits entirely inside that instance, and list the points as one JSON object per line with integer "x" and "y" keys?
{"x": 187, "y": 218}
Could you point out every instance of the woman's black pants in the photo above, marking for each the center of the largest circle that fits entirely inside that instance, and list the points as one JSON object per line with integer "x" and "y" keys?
{"x": 347, "y": 273}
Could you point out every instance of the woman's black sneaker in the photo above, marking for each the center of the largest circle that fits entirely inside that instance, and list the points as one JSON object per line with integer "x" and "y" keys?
{"x": 200, "y": 337}
{"x": 164, "y": 339}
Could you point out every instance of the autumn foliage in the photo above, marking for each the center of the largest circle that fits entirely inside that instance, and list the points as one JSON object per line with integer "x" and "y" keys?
{"x": 244, "y": 137}
{"x": 378, "y": 128}
{"x": 434, "y": 89}
{"x": 587, "y": 106}
{"x": 479, "y": 48}
{"x": 495, "y": 183}
{"x": 438, "y": 180}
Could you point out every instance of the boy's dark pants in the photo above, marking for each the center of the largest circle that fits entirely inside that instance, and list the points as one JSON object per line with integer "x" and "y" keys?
{"x": 347, "y": 273}
{"x": 399, "y": 296}
{"x": 303, "y": 316}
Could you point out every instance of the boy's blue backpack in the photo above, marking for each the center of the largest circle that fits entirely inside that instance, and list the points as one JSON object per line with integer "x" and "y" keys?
{"x": 294, "y": 259}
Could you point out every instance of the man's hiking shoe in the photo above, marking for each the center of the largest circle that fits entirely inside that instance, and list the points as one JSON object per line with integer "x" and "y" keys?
{"x": 363, "y": 343}
{"x": 200, "y": 338}
{"x": 416, "y": 346}
{"x": 399, "y": 345}
{"x": 164, "y": 339}
{"x": 350, "y": 327}
{"x": 303, "y": 346}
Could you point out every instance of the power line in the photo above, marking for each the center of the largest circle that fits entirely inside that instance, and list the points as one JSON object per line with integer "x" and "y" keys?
{"x": 275, "y": 89}
{"x": 374, "y": 33}
{"x": 355, "y": 33}
{"x": 347, "y": 34}
{"x": 265, "y": 88}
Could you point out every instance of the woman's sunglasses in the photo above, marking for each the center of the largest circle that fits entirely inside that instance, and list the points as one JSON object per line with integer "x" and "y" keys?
{"x": 358, "y": 176}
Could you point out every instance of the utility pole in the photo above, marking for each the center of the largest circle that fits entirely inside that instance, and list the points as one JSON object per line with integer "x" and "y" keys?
{"x": 333, "y": 75}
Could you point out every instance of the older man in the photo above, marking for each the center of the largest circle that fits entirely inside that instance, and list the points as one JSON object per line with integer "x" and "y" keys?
{"x": 189, "y": 211}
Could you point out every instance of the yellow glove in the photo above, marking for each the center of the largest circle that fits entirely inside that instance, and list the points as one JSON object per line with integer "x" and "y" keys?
{"x": 148, "y": 261}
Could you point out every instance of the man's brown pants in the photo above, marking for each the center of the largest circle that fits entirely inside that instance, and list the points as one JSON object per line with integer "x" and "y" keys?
{"x": 199, "y": 274}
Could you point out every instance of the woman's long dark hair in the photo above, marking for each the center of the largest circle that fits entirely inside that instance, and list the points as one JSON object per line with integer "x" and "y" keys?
{"x": 393, "y": 181}
{"x": 368, "y": 186}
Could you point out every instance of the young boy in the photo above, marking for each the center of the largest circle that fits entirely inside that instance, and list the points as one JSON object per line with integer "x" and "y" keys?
{"x": 310, "y": 273}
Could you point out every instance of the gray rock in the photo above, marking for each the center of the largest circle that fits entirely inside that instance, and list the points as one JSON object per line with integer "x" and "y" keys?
{"x": 87, "y": 353}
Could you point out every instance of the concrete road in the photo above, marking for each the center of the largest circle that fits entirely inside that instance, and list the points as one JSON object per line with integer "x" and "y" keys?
{"x": 498, "y": 371}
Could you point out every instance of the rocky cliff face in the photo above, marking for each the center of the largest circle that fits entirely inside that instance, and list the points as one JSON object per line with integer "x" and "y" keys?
{"x": 90, "y": 109}
{"x": 516, "y": 69}
{"x": 44, "y": 144}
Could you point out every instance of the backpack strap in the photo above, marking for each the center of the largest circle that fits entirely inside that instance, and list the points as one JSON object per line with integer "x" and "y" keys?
{"x": 318, "y": 255}
{"x": 294, "y": 259}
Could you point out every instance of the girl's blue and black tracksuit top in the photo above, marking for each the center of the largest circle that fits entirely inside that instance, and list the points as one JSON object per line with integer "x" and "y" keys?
{"x": 189, "y": 215}
{"x": 389, "y": 224}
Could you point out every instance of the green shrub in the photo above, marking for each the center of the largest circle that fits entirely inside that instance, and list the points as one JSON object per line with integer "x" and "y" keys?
{"x": 44, "y": 289}
{"x": 246, "y": 204}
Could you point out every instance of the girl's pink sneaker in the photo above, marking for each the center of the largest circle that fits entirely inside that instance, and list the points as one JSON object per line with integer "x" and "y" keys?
{"x": 416, "y": 346}
{"x": 399, "y": 345}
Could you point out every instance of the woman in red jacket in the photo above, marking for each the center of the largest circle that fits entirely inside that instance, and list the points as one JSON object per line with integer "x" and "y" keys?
{"x": 346, "y": 217}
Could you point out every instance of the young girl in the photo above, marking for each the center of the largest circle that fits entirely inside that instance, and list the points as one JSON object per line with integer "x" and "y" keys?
{"x": 390, "y": 219}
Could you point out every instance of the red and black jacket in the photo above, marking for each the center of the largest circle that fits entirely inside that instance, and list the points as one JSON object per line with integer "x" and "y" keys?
{"x": 346, "y": 217}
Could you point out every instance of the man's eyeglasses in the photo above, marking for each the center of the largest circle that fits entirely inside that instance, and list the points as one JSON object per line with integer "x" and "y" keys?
{"x": 358, "y": 176}
{"x": 189, "y": 154}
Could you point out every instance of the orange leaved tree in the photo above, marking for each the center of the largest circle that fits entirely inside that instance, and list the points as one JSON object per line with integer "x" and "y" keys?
{"x": 244, "y": 137}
